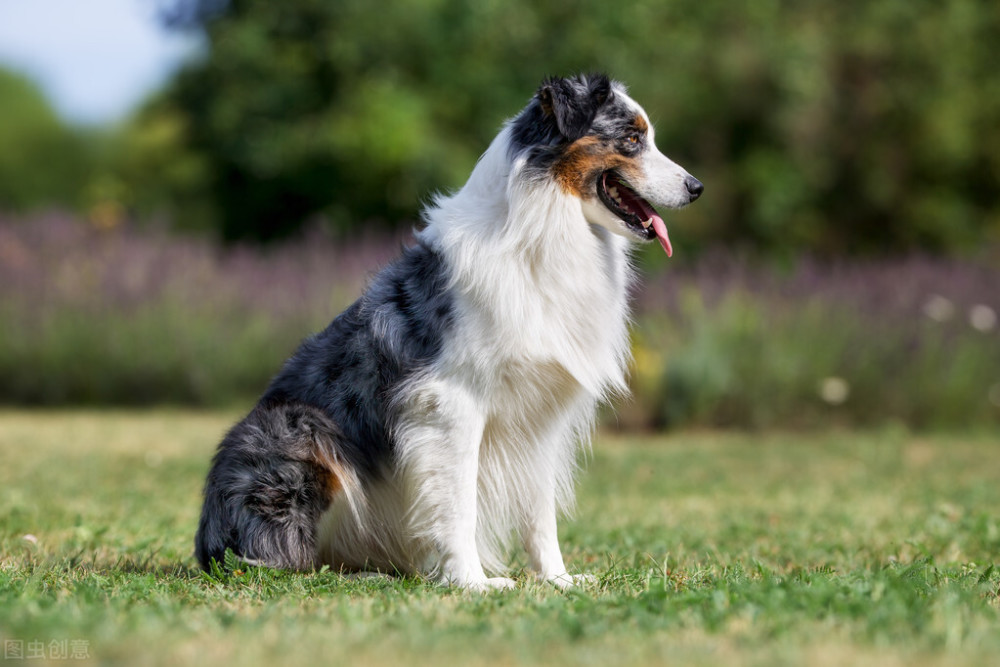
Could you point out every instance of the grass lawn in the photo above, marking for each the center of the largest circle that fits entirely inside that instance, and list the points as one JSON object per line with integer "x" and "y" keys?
{"x": 768, "y": 548}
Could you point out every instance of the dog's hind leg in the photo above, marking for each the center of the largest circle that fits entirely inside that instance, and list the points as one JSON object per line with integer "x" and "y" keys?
{"x": 273, "y": 476}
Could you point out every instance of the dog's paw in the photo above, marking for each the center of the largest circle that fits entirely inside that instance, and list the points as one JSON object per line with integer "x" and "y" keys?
{"x": 491, "y": 584}
{"x": 571, "y": 580}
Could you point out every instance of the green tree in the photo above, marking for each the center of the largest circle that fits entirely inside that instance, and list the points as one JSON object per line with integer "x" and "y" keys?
{"x": 855, "y": 126}
{"x": 42, "y": 162}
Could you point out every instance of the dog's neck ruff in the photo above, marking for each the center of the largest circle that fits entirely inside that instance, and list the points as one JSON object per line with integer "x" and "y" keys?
{"x": 542, "y": 281}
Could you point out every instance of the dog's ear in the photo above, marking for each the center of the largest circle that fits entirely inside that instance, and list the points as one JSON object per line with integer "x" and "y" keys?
{"x": 574, "y": 103}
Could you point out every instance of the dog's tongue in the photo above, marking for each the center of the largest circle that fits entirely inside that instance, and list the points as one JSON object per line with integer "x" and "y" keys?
{"x": 661, "y": 234}
{"x": 658, "y": 225}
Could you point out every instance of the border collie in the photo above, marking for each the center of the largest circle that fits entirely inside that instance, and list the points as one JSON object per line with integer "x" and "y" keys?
{"x": 441, "y": 416}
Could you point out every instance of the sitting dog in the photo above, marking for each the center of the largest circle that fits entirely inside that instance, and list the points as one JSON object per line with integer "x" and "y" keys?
{"x": 442, "y": 414}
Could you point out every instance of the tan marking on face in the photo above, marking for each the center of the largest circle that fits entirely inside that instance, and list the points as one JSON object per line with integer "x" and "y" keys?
{"x": 641, "y": 125}
{"x": 584, "y": 160}
{"x": 631, "y": 172}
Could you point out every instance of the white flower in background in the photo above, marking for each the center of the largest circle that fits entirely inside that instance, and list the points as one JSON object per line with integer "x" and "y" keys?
{"x": 938, "y": 308}
{"x": 995, "y": 394}
{"x": 834, "y": 390}
{"x": 982, "y": 317}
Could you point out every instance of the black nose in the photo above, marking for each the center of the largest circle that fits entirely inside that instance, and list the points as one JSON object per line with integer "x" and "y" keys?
{"x": 694, "y": 187}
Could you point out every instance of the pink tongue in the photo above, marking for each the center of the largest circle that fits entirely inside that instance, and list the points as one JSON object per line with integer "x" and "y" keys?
{"x": 661, "y": 233}
{"x": 658, "y": 226}
{"x": 648, "y": 213}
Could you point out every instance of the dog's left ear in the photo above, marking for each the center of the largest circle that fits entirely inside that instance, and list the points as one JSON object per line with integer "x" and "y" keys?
{"x": 574, "y": 102}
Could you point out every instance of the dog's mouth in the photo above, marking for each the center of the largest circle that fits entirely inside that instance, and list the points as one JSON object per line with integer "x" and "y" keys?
{"x": 639, "y": 216}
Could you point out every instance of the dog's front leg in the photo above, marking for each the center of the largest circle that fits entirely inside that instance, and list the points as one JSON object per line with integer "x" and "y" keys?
{"x": 539, "y": 535}
{"x": 440, "y": 456}
{"x": 541, "y": 539}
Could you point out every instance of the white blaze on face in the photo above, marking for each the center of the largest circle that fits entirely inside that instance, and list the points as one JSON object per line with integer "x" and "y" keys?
{"x": 664, "y": 180}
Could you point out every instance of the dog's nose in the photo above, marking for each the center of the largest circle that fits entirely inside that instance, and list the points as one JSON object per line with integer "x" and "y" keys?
{"x": 694, "y": 187}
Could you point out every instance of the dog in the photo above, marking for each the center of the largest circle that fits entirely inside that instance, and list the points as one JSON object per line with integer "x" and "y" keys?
{"x": 442, "y": 415}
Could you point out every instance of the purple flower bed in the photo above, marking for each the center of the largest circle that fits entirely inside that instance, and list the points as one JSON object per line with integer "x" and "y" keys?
{"x": 132, "y": 315}
{"x": 55, "y": 261}
{"x": 890, "y": 291}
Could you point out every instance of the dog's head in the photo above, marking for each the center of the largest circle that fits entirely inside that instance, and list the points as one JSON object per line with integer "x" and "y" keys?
{"x": 597, "y": 143}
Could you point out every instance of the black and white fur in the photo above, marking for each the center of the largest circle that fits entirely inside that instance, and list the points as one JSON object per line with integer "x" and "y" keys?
{"x": 442, "y": 414}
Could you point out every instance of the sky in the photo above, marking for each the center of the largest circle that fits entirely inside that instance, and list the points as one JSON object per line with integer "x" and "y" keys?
{"x": 95, "y": 60}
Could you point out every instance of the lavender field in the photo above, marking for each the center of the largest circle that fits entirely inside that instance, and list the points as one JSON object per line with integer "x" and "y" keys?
{"x": 126, "y": 316}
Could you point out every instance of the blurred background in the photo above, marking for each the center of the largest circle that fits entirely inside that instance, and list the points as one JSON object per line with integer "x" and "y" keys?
{"x": 188, "y": 187}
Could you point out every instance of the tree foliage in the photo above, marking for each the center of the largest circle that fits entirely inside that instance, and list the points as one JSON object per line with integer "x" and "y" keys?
{"x": 834, "y": 126}
{"x": 40, "y": 160}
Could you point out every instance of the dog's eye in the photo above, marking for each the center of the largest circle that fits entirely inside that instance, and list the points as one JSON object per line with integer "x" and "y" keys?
{"x": 633, "y": 138}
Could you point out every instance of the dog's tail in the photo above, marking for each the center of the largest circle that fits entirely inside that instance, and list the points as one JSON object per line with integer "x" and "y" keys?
{"x": 274, "y": 475}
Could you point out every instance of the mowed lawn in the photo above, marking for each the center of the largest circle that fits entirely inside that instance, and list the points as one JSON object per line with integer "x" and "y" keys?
{"x": 708, "y": 548}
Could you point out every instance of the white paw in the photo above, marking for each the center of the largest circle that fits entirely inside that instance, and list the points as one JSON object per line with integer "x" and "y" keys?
{"x": 570, "y": 580}
{"x": 491, "y": 584}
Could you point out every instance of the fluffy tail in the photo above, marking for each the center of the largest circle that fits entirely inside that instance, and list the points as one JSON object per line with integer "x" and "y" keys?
{"x": 274, "y": 475}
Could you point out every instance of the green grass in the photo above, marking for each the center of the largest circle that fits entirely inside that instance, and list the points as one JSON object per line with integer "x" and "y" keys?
{"x": 708, "y": 548}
